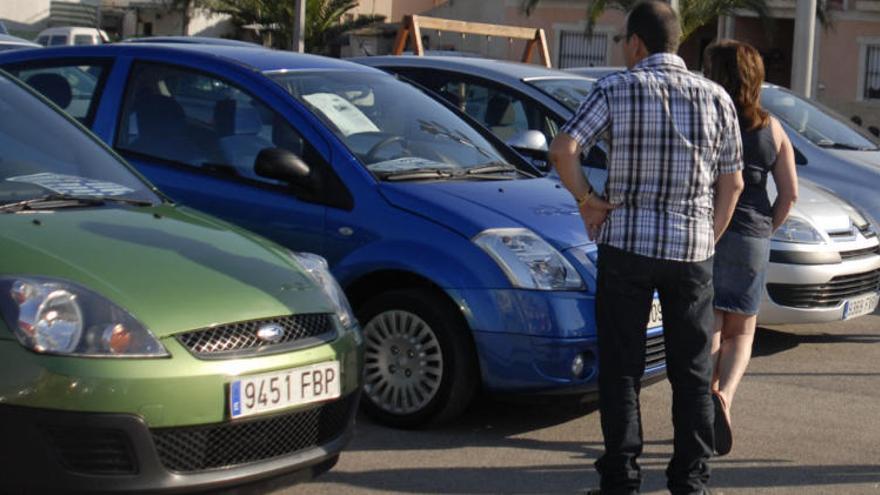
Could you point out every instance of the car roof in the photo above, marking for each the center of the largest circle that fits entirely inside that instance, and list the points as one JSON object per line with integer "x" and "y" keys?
{"x": 205, "y": 40}
{"x": 491, "y": 68}
{"x": 68, "y": 30}
{"x": 255, "y": 58}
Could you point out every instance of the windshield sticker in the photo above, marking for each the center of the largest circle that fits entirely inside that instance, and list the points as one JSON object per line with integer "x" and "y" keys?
{"x": 72, "y": 184}
{"x": 344, "y": 115}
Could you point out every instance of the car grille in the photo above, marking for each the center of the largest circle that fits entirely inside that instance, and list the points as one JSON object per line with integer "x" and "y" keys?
{"x": 237, "y": 339}
{"x": 93, "y": 450}
{"x": 655, "y": 352}
{"x": 859, "y": 253}
{"x": 825, "y": 295}
{"x": 224, "y": 445}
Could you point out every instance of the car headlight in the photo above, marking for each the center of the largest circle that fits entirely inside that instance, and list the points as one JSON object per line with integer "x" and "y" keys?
{"x": 529, "y": 261}
{"x": 316, "y": 267}
{"x": 57, "y": 317}
{"x": 798, "y": 230}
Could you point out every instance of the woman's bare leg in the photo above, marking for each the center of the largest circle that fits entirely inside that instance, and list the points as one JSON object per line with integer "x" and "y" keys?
{"x": 737, "y": 335}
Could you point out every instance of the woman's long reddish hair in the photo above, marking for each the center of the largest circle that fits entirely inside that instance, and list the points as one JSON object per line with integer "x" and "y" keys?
{"x": 739, "y": 69}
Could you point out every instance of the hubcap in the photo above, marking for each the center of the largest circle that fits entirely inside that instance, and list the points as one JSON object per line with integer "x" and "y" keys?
{"x": 403, "y": 362}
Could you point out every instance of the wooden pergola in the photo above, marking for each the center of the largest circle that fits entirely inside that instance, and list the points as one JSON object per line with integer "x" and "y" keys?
{"x": 413, "y": 24}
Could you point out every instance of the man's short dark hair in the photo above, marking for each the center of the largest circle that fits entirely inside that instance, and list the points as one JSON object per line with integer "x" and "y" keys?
{"x": 656, "y": 24}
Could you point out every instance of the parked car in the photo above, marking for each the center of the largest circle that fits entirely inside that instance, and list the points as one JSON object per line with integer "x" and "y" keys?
{"x": 146, "y": 347}
{"x": 464, "y": 268}
{"x": 63, "y": 36}
{"x": 8, "y": 42}
{"x": 837, "y": 154}
{"x": 825, "y": 260}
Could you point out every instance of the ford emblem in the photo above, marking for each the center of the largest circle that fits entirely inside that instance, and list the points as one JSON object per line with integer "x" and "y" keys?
{"x": 271, "y": 333}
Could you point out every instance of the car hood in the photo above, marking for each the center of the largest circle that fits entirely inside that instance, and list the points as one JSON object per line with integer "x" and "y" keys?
{"x": 818, "y": 205}
{"x": 471, "y": 207}
{"x": 173, "y": 269}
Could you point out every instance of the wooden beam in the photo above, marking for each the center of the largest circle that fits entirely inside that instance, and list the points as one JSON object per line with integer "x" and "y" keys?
{"x": 413, "y": 24}
{"x": 477, "y": 28}
{"x": 545, "y": 50}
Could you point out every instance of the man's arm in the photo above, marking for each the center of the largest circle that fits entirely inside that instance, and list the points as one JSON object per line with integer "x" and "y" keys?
{"x": 590, "y": 121}
{"x": 727, "y": 191}
{"x": 565, "y": 157}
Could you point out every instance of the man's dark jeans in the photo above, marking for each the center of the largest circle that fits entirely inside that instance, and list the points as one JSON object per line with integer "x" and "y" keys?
{"x": 625, "y": 291}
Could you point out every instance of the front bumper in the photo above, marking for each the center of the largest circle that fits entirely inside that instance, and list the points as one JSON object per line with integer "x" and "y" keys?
{"x": 816, "y": 293}
{"x": 527, "y": 341}
{"x": 45, "y": 451}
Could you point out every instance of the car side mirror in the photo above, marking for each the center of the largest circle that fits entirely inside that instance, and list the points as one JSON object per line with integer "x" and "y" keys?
{"x": 874, "y": 130}
{"x": 532, "y": 145}
{"x": 284, "y": 165}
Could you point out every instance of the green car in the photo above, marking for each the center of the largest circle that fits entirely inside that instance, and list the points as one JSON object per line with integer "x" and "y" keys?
{"x": 148, "y": 347}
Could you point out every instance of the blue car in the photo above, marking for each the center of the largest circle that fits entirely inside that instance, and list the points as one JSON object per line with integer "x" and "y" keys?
{"x": 467, "y": 270}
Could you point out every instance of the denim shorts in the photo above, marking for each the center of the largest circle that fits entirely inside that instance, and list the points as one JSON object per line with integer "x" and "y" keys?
{"x": 740, "y": 272}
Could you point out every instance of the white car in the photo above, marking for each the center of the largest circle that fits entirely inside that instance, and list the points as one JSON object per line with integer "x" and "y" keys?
{"x": 63, "y": 36}
{"x": 824, "y": 261}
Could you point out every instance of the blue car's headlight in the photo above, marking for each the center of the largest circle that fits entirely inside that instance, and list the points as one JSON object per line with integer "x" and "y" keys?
{"x": 529, "y": 261}
{"x": 316, "y": 267}
{"x": 58, "y": 317}
{"x": 798, "y": 230}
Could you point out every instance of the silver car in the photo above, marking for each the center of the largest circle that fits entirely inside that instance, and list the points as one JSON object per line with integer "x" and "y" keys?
{"x": 824, "y": 261}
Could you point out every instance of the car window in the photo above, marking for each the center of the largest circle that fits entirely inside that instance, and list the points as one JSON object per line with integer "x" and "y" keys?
{"x": 390, "y": 126}
{"x": 199, "y": 120}
{"x": 43, "y": 153}
{"x": 57, "y": 40}
{"x": 502, "y": 110}
{"x": 569, "y": 92}
{"x": 71, "y": 87}
{"x": 43, "y": 40}
{"x": 83, "y": 39}
{"x": 820, "y": 125}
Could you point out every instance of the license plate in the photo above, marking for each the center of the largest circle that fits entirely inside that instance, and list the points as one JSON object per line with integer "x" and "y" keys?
{"x": 656, "y": 318}
{"x": 282, "y": 389}
{"x": 859, "y": 306}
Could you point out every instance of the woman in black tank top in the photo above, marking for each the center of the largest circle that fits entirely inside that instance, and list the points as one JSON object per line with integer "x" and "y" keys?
{"x": 743, "y": 252}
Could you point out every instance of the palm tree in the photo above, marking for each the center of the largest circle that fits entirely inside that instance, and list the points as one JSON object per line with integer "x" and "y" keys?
{"x": 324, "y": 19}
{"x": 694, "y": 14}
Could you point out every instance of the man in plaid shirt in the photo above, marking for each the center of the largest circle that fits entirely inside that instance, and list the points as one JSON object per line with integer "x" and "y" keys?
{"x": 674, "y": 177}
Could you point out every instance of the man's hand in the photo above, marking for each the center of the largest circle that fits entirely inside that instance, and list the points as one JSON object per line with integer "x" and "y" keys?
{"x": 594, "y": 213}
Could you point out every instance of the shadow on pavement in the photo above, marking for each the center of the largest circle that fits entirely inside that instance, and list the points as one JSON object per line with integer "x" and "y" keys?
{"x": 573, "y": 479}
{"x": 769, "y": 342}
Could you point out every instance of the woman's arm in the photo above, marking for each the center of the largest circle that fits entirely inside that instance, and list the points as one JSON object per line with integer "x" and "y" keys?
{"x": 784, "y": 174}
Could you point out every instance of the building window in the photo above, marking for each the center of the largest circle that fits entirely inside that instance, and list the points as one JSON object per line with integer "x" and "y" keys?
{"x": 872, "y": 72}
{"x": 577, "y": 49}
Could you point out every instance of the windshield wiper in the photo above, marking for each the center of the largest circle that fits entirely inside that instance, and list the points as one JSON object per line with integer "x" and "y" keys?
{"x": 416, "y": 174}
{"x": 496, "y": 167}
{"x": 55, "y": 201}
{"x": 842, "y": 146}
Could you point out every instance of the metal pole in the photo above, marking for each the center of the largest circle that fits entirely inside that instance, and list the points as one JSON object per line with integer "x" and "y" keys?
{"x": 804, "y": 43}
{"x": 299, "y": 26}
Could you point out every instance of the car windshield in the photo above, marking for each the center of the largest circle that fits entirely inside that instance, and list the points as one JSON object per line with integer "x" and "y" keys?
{"x": 568, "y": 92}
{"x": 820, "y": 125}
{"x": 390, "y": 126}
{"x": 73, "y": 164}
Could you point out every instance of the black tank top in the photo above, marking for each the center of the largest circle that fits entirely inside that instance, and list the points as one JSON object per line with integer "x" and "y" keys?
{"x": 753, "y": 215}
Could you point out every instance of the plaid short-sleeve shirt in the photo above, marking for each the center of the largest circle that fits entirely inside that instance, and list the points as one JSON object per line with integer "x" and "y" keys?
{"x": 671, "y": 133}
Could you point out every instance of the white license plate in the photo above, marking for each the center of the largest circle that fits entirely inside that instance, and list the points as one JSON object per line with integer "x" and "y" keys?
{"x": 859, "y": 306}
{"x": 656, "y": 318}
{"x": 281, "y": 389}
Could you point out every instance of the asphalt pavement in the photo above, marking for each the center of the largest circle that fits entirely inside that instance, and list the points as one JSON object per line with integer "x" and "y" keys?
{"x": 806, "y": 421}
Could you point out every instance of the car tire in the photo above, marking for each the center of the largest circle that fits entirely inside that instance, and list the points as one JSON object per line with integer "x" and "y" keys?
{"x": 420, "y": 366}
